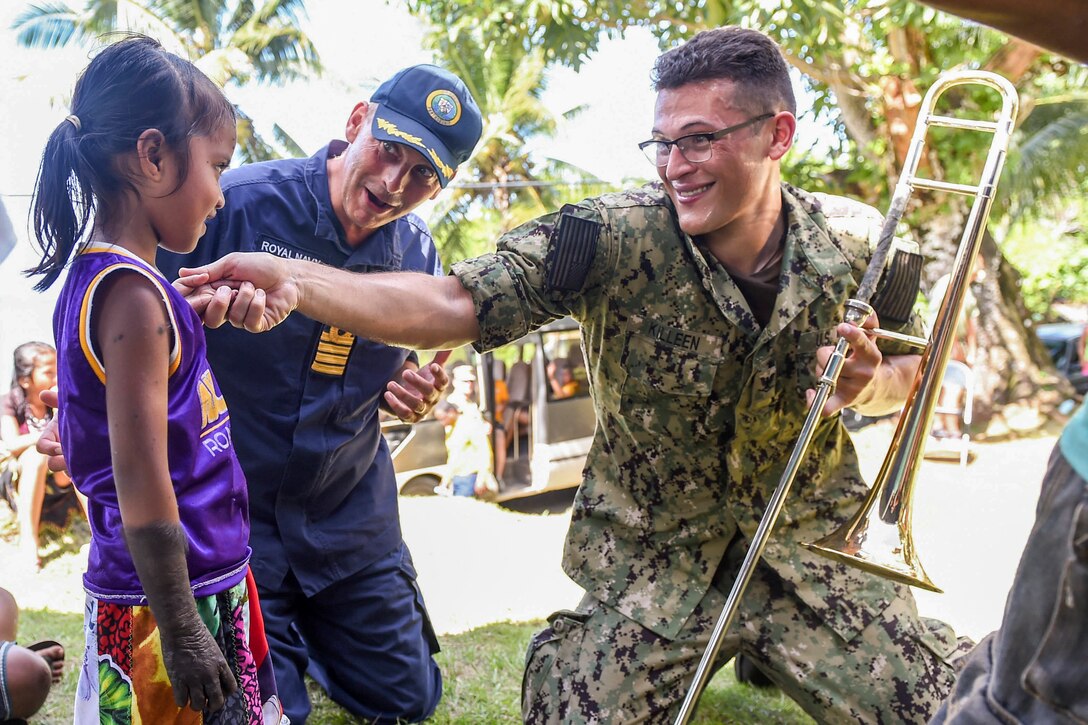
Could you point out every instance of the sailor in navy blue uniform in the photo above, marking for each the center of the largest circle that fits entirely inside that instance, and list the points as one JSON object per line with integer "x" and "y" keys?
{"x": 336, "y": 581}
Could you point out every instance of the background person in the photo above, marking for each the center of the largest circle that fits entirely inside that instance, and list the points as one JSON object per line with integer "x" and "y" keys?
{"x": 498, "y": 422}
{"x": 473, "y": 438}
{"x": 23, "y": 416}
{"x": 463, "y": 391}
{"x": 336, "y": 579}
{"x": 964, "y": 350}
{"x": 468, "y": 450}
{"x": 707, "y": 303}
{"x": 26, "y": 673}
{"x": 171, "y": 619}
{"x": 561, "y": 379}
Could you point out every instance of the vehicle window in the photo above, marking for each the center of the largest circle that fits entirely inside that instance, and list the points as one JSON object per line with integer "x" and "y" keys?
{"x": 565, "y": 365}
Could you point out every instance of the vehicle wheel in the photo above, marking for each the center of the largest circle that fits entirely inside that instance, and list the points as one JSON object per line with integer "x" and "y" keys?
{"x": 420, "y": 486}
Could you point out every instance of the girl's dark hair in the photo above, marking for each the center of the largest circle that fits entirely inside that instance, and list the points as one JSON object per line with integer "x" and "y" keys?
{"x": 746, "y": 57}
{"x": 24, "y": 360}
{"x": 131, "y": 86}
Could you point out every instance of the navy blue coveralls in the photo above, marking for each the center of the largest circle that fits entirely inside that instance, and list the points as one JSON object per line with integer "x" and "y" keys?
{"x": 336, "y": 581}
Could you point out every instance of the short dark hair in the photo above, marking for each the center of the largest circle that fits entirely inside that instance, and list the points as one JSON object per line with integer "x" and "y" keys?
{"x": 746, "y": 57}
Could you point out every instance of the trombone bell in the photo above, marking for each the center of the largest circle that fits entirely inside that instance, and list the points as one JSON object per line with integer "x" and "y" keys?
{"x": 879, "y": 538}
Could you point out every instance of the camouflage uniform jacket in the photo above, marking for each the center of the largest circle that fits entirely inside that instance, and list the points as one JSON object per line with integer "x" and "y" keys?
{"x": 697, "y": 407}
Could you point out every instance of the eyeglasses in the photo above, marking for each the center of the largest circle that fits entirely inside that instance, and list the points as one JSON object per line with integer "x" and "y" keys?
{"x": 695, "y": 147}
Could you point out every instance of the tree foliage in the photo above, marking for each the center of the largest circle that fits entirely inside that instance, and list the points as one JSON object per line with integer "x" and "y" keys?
{"x": 502, "y": 185}
{"x": 232, "y": 41}
{"x": 1052, "y": 254}
{"x": 867, "y": 64}
{"x": 562, "y": 31}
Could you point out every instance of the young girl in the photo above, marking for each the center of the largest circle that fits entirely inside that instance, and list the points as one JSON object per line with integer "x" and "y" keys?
{"x": 23, "y": 416}
{"x": 145, "y": 429}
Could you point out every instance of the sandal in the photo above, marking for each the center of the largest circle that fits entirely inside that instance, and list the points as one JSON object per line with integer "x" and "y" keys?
{"x": 55, "y": 660}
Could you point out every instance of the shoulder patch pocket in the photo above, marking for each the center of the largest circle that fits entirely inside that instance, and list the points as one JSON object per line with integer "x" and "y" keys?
{"x": 571, "y": 249}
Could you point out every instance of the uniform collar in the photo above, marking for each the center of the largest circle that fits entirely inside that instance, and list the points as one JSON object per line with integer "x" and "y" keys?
{"x": 812, "y": 265}
{"x": 726, "y": 295}
{"x": 327, "y": 225}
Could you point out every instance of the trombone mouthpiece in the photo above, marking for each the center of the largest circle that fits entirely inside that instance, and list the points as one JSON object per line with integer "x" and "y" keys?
{"x": 857, "y": 312}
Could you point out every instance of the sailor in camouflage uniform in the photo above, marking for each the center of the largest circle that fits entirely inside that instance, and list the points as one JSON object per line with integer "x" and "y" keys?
{"x": 698, "y": 409}
{"x": 707, "y": 303}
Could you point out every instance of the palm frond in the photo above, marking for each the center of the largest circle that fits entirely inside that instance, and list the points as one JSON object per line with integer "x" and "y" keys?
{"x": 49, "y": 25}
{"x": 149, "y": 18}
{"x": 184, "y": 15}
{"x": 279, "y": 52}
{"x": 232, "y": 41}
{"x": 288, "y": 143}
{"x": 226, "y": 66}
{"x": 251, "y": 145}
{"x": 287, "y": 12}
{"x": 1047, "y": 165}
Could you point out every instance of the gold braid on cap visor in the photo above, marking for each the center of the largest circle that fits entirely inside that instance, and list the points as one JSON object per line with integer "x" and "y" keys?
{"x": 392, "y": 129}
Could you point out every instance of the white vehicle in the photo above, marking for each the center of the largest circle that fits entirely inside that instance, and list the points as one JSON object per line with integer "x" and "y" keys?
{"x": 548, "y": 417}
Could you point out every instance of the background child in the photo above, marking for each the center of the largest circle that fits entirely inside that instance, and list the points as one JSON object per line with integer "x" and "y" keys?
{"x": 26, "y": 673}
{"x": 145, "y": 429}
{"x": 468, "y": 450}
{"x": 23, "y": 415}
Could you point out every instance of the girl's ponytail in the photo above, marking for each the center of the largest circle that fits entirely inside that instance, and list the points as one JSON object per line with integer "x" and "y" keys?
{"x": 63, "y": 201}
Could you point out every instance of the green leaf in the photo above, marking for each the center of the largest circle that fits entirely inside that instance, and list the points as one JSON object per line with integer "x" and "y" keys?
{"x": 114, "y": 695}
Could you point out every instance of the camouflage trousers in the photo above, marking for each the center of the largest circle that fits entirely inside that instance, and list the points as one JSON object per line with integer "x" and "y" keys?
{"x": 594, "y": 665}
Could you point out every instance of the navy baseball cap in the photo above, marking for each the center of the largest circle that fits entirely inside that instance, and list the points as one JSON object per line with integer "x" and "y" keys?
{"x": 429, "y": 109}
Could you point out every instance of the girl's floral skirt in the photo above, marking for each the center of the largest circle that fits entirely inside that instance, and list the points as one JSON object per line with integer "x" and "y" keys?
{"x": 123, "y": 679}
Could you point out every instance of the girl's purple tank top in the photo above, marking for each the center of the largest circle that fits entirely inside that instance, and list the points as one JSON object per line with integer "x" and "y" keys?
{"x": 208, "y": 482}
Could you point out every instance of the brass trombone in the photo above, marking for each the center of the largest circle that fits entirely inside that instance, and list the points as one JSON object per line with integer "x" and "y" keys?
{"x": 878, "y": 538}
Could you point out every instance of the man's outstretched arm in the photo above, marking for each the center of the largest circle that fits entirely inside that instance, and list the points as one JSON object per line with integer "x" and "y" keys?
{"x": 407, "y": 309}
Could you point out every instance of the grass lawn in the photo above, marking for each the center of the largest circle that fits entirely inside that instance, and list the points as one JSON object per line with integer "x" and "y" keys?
{"x": 482, "y": 671}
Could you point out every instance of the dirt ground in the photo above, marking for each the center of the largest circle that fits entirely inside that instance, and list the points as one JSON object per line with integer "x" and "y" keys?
{"x": 480, "y": 563}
